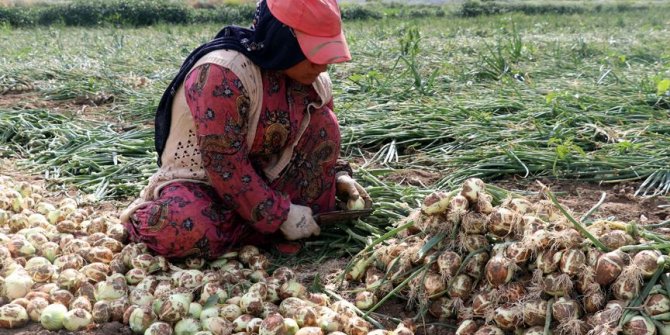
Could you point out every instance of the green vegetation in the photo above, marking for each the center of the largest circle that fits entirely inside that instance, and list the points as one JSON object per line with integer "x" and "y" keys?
{"x": 509, "y": 95}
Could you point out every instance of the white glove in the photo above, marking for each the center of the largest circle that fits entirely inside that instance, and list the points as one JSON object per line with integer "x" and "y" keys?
{"x": 348, "y": 186}
{"x": 299, "y": 223}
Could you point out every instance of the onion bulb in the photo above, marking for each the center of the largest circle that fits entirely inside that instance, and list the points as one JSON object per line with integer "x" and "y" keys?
{"x": 52, "y": 316}
{"x": 159, "y": 328}
{"x": 639, "y": 325}
{"x": 13, "y": 316}
{"x": 217, "y": 325}
{"x": 467, "y": 327}
{"x": 35, "y": 308}
{"x": 272, "y": 325}
{"x": 18, "y": 284}
{"x": 77, "y": 319}
{"x": 187, "y": 326}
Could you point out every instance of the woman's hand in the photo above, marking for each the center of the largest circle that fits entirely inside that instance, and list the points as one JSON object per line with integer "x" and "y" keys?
{"x": 352, "y": 191}
{"x": 299, "y": 223}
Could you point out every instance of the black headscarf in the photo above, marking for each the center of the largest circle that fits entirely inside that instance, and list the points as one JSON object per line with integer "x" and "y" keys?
{"x": 268, "y": 43}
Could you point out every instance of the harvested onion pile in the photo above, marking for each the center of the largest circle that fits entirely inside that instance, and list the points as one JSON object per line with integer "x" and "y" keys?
{"x": 518, "y": 267}
{"x": 67, "y": 267}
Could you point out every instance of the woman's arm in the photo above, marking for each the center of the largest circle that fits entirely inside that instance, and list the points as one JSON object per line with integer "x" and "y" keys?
{"x": 220, "y": 108}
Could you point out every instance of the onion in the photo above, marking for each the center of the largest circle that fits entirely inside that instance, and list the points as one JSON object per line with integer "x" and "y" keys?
{"x": 461, "y": 287}
{"x": 330, "y": 321}
{"x": 473, "y": 242}
{"x": 435, "y": 203}
{"x": 40, "y": 269}
{"x": 283, "y": 274}
{"x": 503, "y": 222}
{"x": 321, "y": 299}
{"x": 467, "y": 327}
{"x": 176, "y": 306}
{"x": 159, "y": 328}
{"x": 458, "y": 206}
{"x": 229, "y": 311}
{"x": 366, "y": 299}
{"x": 646, "y": 261}
{"x": 70, "y": 279}
{"x": 258, "y": 262}
{"x": 52, "y": 316}
{"x": 292, "y": 288}
{"x": 187, "y": 326}
{"x": 49, "y": 250}
{"x": 140, "y": 297}
{"x": 305, "y": 316}
{"x": 517, "y": 253}
{"x": 35, "y": 308}
{"x": 565, "y": 309}
{"x": 508, "y": 316}
{"x": 76, "y": 319}
{"x": 483, "y": 303}
{"x": 520, "y": 205}
{"x": 657, "y": 304}
{"x": 557, "y": 284}
{"x": 357, "y": 326}
{"x": 594, "y": 299}
{"x": 18, "y": 284}
{"x": 549, "y": 260}
{"x": 13, "y": 316}
{"x": 499, "y": 270}
{"x": 101, "y": 312}
{"x": 615, "y": 239}
{"x": 572, "y": 262}
{"x": 241, "y": 323}
{"x": 81, "y": 302}
{"x": 194, "y": 310}
{"x": 474, "y": 266}
{"x": 537, "y": 330}
{"x": 489, "y": 330}
{"x": 309, "y": 331}
{"x": 474, "y": 223}
{"x": 110, "y": 289}
{"x": 96, "y": 272}
{"x": 251, "y": 303}
{"x": 141, "y": 318}
{"x": 471, "y": 189}
{"x": 448, "y": 263}
{"x": 269, "y": 308}
{"x": 484, "y": 203}
{"x": 217, "y": 325}
{"x": 211, "y": 289}
{"x": 534, "y": 312}
{"x": 639, "y": 325}
{"x": 272, "y": 325}
{"x": 628, "y": 284}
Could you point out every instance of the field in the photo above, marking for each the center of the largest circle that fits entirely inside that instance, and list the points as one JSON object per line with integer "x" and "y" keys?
{"x": 579, "y": 102}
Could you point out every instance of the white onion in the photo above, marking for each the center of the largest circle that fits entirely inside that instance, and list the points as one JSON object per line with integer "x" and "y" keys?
{"x": 77, "y": 319}
{"x": 18, "y": 284}
{"x": 52, "y": 316}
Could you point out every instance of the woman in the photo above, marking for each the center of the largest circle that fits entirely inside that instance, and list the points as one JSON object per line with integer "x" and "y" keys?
{"x": 247, "y": 139}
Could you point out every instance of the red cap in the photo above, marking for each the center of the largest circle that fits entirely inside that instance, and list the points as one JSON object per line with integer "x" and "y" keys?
{"x": 318, "y": 28}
